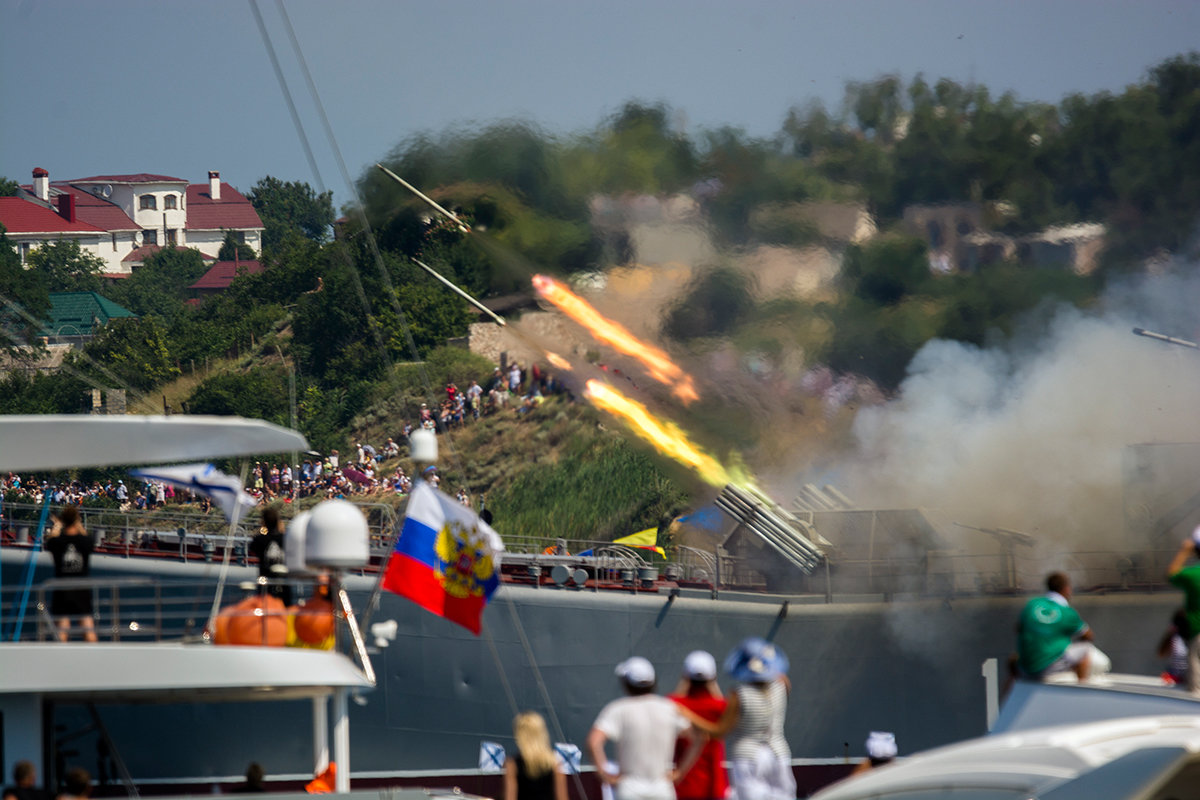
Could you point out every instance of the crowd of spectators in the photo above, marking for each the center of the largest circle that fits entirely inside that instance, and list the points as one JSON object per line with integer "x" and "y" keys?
{"x": 360, "y": 473}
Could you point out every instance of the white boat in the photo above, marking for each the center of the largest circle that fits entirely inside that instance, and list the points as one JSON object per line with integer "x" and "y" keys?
{"x": 143, "y": 664}
{"x": 1117, "y": 737}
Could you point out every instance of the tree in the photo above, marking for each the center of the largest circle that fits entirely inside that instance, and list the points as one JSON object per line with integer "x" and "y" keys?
{"x": 8, "y": 187}
{"x": 232, "y": 250}
{"x": 259, "y": 393}
{"x": 885, "y": 271}
{"x": 25, "y": 292}
{"x": 135, "y": 349}
{"x": 716, "y": 301}
{"x": 159, "y": 286}
{"x": 291, "y": 209}
{"x": 64, "y": 266}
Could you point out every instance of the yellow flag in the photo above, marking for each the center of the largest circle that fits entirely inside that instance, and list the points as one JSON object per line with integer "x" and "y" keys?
{"x": 646, "y": 540}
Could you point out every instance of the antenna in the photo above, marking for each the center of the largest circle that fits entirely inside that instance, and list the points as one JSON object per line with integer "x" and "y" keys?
{"x": 107, "y": 190}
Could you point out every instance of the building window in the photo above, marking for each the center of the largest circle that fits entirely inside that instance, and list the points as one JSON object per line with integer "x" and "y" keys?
{"x": 149, "y": 237}
{"x": 239, "y": 237}
{"x": 148, "y": 201}
{"x": 24, "y": 251}
{"x": 171, "y": 236}
{"x": 168, "y": 202}
{"x": 114, "y": 237}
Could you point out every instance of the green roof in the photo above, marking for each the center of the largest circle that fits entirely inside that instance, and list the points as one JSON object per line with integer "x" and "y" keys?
{"x": 76, "y": 313}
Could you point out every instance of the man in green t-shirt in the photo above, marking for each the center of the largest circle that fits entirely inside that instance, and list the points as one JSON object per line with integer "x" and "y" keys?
{"x": 1188, "y": 579}
{"x": 1051, "y": 636}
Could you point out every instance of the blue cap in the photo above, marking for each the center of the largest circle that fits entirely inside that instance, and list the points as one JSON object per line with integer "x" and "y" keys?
{"x": 756, "y": 660}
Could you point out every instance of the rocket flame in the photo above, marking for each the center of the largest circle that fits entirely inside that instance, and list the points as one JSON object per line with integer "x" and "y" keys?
{"x": 558, "y": 361}
{"x": 660, "y": 366}
{"x": 664, "y": 435}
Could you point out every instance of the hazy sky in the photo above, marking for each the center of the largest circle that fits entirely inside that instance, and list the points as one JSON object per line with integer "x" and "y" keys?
{"x": 179, "y": 88}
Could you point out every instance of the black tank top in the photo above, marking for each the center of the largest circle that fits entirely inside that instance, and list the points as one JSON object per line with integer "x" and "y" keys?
{"x": 539, "y": 788}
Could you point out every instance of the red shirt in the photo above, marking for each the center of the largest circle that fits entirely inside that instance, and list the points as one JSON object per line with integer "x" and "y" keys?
{"x": 706, "y": 780}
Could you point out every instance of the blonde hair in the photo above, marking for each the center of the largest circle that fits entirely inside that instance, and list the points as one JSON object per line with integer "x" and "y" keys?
{"x": 529, "y": 729}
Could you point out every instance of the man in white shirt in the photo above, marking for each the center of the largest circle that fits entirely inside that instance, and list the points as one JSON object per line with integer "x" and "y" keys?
{"x": 643, "y": 727}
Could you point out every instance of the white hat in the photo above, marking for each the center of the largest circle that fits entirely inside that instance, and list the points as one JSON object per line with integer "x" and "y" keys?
{"x": 636, "y": 671}
{"x": 881, "y": 745}
{"x": 700, "y": 666}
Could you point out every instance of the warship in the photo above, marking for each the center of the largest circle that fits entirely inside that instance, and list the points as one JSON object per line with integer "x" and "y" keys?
{"x": 891, "y": 622}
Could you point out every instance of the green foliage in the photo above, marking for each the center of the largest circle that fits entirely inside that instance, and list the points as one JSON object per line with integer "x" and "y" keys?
{"x": 599, "y": 488}
{"x": 42, "y": 393}
{"x": 290, "y": 209}
{"x": 258, "y": 393}
{"x": 63, "y": 266}
{"x": 636, "y": 150}
{"x": 418, "y": 382}
{"x": 716, "y": 301}
{"x": 334, "y": 336}
{"x": 232, "y": 250}
{"x": 776, "y": 223}
{"x": 974, "y": 306}
{"x": 23, "y": 288}
{"x": 160, "y": 286}
{"x": 884, "y": 271}
{"x": 9, "y": 187}
{"x": 879, "y": 342}
{"x": 323, "y": 414}
{"x": 135, "y": 349}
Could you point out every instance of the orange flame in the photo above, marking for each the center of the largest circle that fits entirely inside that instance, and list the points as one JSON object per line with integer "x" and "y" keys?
{"x": 558, "y": 361}
{"x": 663, "y": 435}
{"x": 660, "y": 366}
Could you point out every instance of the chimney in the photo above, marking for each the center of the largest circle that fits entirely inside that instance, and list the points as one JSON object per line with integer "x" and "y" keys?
{"x": 41, "y": 184}
{"x": 66, "y": 206}
{"x": 214, "y": 184}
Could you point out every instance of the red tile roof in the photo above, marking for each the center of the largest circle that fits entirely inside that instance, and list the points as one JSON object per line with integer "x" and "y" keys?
{"x": 232, "y": 211}
{"x": 96, "y": 210}
{"x": 21, "y": 216}
{"x": 140, "y": 254}
{"x": 222, "y": 273}
{"x": 141, "y": 177}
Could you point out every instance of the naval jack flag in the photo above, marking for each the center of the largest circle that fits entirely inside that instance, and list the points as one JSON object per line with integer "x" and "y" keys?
{"x": 224, "y": 490}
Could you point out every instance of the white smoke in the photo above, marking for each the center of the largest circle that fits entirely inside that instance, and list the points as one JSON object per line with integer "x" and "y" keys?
{"x": 1030, "y": 435}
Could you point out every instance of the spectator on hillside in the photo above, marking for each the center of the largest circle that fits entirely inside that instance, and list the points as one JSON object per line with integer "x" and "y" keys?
{"x": 474, "y": 395}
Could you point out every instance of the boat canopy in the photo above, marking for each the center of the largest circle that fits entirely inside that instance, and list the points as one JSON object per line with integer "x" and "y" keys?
{"x": 173, "y": 672}
{"x": 39, "y": 442}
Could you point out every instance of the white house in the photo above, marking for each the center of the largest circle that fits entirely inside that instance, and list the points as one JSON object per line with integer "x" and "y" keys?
{"x": 122, "y": 218}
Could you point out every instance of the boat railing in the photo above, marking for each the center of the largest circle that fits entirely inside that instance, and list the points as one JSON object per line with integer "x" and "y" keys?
{"x": 935, "y": 573}
{"x": 135, "y": 609}
{"x": 170, "y": 533}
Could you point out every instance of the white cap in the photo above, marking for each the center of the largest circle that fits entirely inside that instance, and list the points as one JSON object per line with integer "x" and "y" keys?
{"x": 881, "y": 744}
{"x": 700, "y": 666}
{"x": 636, "y": 671}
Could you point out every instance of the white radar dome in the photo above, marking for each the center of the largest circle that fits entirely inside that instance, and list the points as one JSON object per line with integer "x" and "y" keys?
{"x": 423, "y": 445}
{"x": 294, "y": 543}
{"x": 336, "y": 536}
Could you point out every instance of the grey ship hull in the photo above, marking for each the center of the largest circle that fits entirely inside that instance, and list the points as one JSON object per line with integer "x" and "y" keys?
{"x": 858, "y": 664}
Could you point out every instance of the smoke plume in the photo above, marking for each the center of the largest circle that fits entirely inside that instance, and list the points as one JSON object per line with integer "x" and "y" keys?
{"x": 1031, "y": 434}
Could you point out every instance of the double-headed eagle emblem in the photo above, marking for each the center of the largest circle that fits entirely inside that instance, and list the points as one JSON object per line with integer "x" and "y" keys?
{"x": 465, "y": 559}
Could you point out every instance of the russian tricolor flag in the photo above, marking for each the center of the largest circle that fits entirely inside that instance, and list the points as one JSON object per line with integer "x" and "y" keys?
{"x": 446, "y": 560}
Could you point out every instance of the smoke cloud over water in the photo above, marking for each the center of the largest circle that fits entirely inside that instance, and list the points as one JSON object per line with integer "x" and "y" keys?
{"x": 1031, "y": 435}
